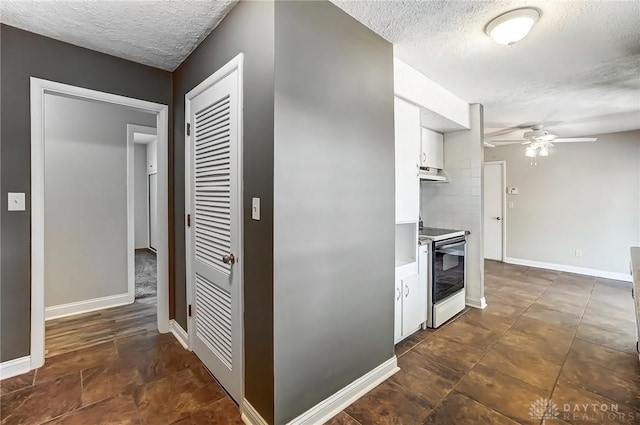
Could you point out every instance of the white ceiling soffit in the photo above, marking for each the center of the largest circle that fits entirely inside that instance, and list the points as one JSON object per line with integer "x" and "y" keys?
{"x": 155, "y": 33}
{"x": 577, "y": 72}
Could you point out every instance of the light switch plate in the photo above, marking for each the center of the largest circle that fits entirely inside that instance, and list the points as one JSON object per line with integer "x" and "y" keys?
{"x": 16, "y": 202}
{"x": 513, "y": 191}
{"x": 255, "y": 208}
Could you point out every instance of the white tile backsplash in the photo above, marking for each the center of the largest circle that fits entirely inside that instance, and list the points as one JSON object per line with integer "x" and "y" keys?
{"x": 458, "y": 204}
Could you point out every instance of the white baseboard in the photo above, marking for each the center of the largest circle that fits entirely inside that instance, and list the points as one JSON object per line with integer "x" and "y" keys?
{"x": 63, "y": 310}
{"x": 331, "y": 406}
{"x": 570, "y": 269}
{"x": 179, "y": 333}
{"x": 250, "y": 416}
{"x": 480, "y": 303}
{"x": 15, "y": 367}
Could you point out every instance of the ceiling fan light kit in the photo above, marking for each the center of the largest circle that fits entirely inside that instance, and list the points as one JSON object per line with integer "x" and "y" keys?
{"x": 513, "y": 26}
{"x": 537, "y": 141}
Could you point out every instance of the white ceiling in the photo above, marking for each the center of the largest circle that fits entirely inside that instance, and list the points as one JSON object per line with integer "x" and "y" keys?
{"x": 156, "y": 33}
{"x": 578, "y": 71}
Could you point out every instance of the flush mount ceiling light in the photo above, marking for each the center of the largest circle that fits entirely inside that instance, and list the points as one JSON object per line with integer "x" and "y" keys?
{"x": 512, "y": 26}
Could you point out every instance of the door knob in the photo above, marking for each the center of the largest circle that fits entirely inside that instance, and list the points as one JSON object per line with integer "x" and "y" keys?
{"x": 498, "y": 218}
{"x": 229, "y": 259}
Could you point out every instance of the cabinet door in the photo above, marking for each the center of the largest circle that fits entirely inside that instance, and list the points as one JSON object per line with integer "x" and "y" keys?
{"x": 432, "y": 149}
{"x": 413, "y": 305}
{"x": 397, "y": 327}
{"x": 407, "y": 142}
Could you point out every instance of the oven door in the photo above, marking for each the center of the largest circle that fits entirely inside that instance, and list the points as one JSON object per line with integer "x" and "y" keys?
{"x": 448, "y": 268}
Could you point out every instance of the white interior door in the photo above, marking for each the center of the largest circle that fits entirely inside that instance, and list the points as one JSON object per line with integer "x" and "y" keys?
{"x": 153, "y": 210}
{"x": 215, "y": 206}
{"x": 494, "y": 197}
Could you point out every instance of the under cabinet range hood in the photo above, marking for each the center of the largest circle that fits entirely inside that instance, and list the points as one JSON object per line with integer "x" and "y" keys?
{"x": 433, "y": 174}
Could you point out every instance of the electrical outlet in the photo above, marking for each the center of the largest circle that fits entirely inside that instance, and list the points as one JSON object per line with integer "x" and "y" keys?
{"x": 510, "y": 204}
{"x": 578, "y": 252}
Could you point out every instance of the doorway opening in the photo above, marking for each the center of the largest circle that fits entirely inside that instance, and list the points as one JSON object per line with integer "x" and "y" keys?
{"x": 83, "y": 218}
{"x": 144, "y": 139}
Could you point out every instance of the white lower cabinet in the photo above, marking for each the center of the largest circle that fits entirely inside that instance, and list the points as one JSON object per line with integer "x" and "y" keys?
{"x": 397, "y": 332}
{"x": 410, "y": 306}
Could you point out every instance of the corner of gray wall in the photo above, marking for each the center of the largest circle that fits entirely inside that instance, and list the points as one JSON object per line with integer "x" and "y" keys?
{"x": 334, "y": 203}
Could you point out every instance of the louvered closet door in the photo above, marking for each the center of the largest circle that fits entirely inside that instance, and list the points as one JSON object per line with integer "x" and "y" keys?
{"x": 215, "y": 232}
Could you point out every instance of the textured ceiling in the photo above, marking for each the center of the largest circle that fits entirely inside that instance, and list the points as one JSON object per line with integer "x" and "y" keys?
{"x": 156, "y": 33}
{"x": 577, "y": 72}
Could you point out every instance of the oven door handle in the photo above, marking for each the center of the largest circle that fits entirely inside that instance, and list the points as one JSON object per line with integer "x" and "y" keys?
{"x": 450, "y": 242}
{"x": 451, "y": 246}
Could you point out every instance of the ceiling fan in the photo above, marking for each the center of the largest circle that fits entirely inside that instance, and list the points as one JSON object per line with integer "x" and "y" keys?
{"x": 537, "y": 133}
{"x": 538, "y": 141}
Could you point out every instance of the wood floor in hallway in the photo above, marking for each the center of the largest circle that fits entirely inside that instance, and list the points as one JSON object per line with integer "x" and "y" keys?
{"x": 86, "y": 330}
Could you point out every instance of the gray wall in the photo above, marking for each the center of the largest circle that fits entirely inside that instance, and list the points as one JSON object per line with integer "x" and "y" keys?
{"x": 458, "y": 204}
{"x": 334, "y": 201}
{"x": 22, "y": 55}
{"x": 584, "y": 195}
{"x": 86, "y": 198}
{"x": 248, "y": 28}
{"x": 141, "y": 183}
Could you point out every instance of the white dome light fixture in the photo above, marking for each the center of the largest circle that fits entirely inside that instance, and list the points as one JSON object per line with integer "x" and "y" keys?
{"x": 513, "y": 26}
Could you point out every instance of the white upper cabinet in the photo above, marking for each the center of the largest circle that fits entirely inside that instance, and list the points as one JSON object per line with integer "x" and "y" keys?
{"x": 407, "y": 141}
{"x": 432, "y": 149}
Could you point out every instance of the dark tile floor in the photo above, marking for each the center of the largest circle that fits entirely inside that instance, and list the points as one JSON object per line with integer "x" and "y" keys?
{"x": 544, "y": 335}
{"x": 143, "y": 379}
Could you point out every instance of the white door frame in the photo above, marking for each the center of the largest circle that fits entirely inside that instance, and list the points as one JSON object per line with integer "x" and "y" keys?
{"x": 503, "y": 166}
{"x": 232, "y": 65}
{"x": 39, "y": 88}
{"x": 133, "y": 129}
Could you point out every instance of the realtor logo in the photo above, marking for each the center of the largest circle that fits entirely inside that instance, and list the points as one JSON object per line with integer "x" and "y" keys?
{"x": 543, "y": 408}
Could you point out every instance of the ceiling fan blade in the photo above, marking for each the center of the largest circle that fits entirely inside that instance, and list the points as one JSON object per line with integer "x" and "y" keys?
{"x": 574, "y": 139}
{"x": 503, "y": 132}
{"x": 488, "y": 145}
{"x": 505, "y": 142}
{"x": 526, "y": 142}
